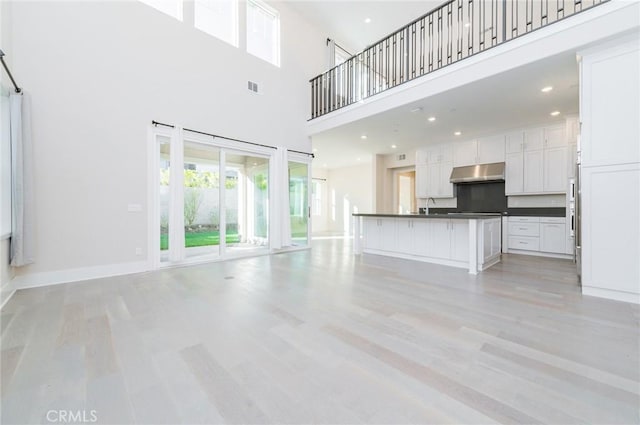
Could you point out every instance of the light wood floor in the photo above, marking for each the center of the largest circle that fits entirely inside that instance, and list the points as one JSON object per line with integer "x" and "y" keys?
{"x": 322, "y": 336}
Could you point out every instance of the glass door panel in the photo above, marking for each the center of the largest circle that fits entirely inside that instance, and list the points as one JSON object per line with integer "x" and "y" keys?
{"x": 299, "y": 202}
{"x": 164, "y": 146}
{"x": 246, "y": 200}
{"x": 201, "y": 200}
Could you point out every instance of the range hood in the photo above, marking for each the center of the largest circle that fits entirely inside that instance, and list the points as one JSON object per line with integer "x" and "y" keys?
{"x": 478, "y": 173}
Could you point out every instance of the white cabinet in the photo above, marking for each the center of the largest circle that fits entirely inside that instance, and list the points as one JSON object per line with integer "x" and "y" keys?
{"x": 413, "y": 236}
{"x": 421, "y": 157}
{"x": 459, "y": 240}
{"x": 379, "y": 233}
{"x": 553, "y": 236}
{"x": 440, "y": 246}
{"x": 555, "y": 170}
{"x": 538, "y": 164}
{"x": 486, "y": 150}
{"x": 533, "y": 171}
{"x": 545, "y": 235}
{"x": 422, "y": 176}
{"x": 433, "y": 178}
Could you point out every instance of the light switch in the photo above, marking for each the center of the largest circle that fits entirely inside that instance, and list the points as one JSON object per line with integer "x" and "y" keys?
{"x": 134, "y": 208}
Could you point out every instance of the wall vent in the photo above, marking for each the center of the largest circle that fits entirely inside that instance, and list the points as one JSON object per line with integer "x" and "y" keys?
{"x": 253, "y": 86}
{"x": 402, "y": 157}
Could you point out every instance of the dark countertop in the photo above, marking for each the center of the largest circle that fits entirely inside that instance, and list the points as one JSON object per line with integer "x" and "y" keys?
{"x": 461, "y": 216}
{"x": 533, "y": 212}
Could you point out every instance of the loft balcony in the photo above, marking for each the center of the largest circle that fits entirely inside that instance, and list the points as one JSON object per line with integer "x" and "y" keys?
{"x": 452, "y": 32}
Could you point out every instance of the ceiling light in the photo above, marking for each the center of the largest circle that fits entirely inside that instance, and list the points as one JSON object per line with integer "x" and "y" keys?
{"x": 457, "y": 133}
{"x": 555, "y": 113}
{"x": 363, "y": 137}
{"x": 358, "y": 159}
{"x": 367, "y": 20}
{"x": 393, "y": 146}
{"x": 467, "y": 25}
{"x": 431, "y": 119}
{"x": 418, "y": 109}
{"x": 546, "y": 89}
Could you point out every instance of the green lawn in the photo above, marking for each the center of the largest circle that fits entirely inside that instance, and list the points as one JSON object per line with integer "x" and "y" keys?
{"x": 199, "y": 239}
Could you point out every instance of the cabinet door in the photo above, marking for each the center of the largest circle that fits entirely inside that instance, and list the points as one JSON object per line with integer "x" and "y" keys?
{"x": 405, "y": 239}
{"x": 555, "y": 170}
{"x": 496, "y": 236}
{"x": 446, "y": 153}
{"x": 371, "y": 233}
{"x": 440, "y": 244}
{"x": 533, "y": 171}
{"x": 465, "y": 153}
{"x": 490, "y": 150}
{"x": 388, "y": 234}
{"x": 445, "y": 185}
{"x": 514, "y": 173}
{"x": 460, "y": 240}
{"x": 434, "y": 155}
{"x": 554, "y": 137}
{"x": 514, "y": 142}
{"x": 433, "y": 180}
{"x": 572, "y": 157}
{"x": 421, "y": 237}
{"x": 553, "y": 238}
{"x": 533, "y": 139}
{"x": 422, "y": 174}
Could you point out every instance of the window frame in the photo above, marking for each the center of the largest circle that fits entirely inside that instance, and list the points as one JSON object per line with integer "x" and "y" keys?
{"x": 276, "y": 46}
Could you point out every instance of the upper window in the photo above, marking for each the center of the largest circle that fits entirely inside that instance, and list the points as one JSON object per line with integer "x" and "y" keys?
{"x": 170, "y": 7}
{"x": 263, "y": 31}
{"x": 218, "y": 18}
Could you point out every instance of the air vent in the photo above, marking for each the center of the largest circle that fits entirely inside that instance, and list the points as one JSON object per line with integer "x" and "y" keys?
{"x": 402, "y": 157}
{"x": 252, "y": 86}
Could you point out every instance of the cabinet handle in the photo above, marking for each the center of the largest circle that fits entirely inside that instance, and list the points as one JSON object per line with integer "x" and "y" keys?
{"x": 522, "y": 228}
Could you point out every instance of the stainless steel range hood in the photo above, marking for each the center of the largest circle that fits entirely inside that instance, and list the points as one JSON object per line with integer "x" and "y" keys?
{"x": 478, "y": 173}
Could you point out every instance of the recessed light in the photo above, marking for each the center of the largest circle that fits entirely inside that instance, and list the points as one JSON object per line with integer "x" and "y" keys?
{"x": 363, "y": 137}
{"x": 431, "y": 119}
{"x": 358, "y": 159}
{"x": 555, "y": 113}
{"x": 467, "y": 25}
{"x": 367, "y": 20}
{"x": 393, "y": 146}
{"x": 457, "y": 133}
{"x": 255, "y": 163}
{"x": 546, "y": 89}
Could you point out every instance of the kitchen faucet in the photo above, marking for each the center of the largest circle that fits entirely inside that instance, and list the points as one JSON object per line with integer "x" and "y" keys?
{"x": 427, "y": 206}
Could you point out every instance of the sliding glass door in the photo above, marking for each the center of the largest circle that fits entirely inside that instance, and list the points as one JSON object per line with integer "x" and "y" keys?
{"x": 211, "y": 201}
{"x": 299, "y": 202}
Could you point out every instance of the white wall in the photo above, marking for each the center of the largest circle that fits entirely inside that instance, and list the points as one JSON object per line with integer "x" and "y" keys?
{"x": 99, "y": 72}
{"x": 320, "y": 223}
{"x": 610, "y": 145}
{"x": 350, "y": 190}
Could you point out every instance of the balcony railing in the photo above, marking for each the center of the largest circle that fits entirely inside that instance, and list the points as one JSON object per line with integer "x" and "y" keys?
{"x": 454, "y": 31}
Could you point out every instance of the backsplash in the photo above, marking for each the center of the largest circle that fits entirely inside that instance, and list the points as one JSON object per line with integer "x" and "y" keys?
{"x": 537, "y": 201}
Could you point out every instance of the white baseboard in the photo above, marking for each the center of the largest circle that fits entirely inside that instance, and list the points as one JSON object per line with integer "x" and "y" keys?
{"x": 628, "y": 297}
{"x": 35, "y": 280}
{"x": 540, "y": 254}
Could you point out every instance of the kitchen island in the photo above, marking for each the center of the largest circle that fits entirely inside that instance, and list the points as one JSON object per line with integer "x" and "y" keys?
{"x": 471, "y": 241}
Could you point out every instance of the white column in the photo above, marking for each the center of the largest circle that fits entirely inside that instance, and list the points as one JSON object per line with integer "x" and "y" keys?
{"x": 473, "y": 246}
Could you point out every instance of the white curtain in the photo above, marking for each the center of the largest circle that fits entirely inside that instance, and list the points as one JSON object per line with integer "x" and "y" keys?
{"x": 22, "y": 223}
{"x": 283, "y": 238}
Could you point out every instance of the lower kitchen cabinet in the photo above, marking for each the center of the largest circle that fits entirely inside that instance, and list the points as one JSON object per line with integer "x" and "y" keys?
{"x": 380, "y": 234}
{"x": 537, "y": 235}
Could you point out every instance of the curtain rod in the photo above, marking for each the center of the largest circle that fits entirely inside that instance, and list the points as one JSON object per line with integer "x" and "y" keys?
{"x": 6, "y": 68}
{"x": 156, "y": 123}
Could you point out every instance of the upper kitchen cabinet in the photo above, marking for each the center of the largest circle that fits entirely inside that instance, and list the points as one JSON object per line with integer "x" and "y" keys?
{"x": 536, "y": 161}
{"x": 433, "y": 171}
{"x": 486, "y": 150}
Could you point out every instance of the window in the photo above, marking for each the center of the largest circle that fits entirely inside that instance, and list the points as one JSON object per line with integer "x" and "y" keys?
{"x": 170, "y": 7}
{"x": 218, "y": 18}
{"x": 263, "y": 32}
